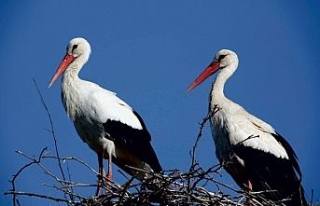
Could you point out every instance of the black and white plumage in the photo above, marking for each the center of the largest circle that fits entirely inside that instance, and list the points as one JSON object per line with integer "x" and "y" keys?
{"x": 252, "y": 152}
{"x": 106, "y": 123}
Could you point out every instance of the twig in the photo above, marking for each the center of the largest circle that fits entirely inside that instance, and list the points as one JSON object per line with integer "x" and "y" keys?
{"x": 172, "y": 187}
{"x": 202, "y": 124}
{"x": 52, "y": 132}
{"x": 195, "y": 146}
{"x": 14, "y": 193}
{"x": 15, "y": 176}
{"x": 72, "y": 159}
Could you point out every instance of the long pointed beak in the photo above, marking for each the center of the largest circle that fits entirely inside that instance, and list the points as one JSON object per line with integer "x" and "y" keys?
{"x": 66, "y": 61}
{"x": 210, "y": 70}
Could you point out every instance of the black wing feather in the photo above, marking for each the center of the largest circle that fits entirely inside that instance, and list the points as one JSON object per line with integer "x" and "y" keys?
{"x": 135, "y": 140}
{"x": 268, "y": 172}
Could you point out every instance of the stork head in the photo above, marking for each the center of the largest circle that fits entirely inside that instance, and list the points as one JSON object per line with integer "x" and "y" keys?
{"x": 79, "y": 46}
{"x": 77, "y": 49}
{"x": 225, "y": 59}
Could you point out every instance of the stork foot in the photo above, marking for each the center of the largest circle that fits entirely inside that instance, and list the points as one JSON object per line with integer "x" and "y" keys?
{"x": 249, "y": 202}
{"x": 99, "y": 185}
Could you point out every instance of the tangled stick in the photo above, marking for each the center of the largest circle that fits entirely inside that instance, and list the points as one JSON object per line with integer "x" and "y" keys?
{"x": 171, "y": 187}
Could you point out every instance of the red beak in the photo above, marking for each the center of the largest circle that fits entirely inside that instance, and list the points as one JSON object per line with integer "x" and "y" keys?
{"x": 67, "y": 59}
{"x": 210, "y": 70}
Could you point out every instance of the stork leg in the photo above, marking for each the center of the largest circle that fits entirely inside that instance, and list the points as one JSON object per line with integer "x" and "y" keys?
{"x": 101, "y": 171}
{"x": 109, "y": 174}
{"x": 249, "y": 186}
{"x": 100, "y": 175}
{"x": 249, "y": 201}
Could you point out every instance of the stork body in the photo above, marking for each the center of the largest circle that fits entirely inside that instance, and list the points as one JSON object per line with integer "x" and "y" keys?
{"x": 251, "y": 151}
{"x": 107, "y": 124}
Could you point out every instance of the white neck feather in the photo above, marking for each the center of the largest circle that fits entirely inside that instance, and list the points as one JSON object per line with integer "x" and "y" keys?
{"x": 70, "y": 86}
{"x": 217, "y": 90}
{"x": 72, "y": 72}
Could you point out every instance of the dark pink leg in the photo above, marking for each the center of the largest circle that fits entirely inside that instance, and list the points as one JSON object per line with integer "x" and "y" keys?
{"x": 100, "y": 175}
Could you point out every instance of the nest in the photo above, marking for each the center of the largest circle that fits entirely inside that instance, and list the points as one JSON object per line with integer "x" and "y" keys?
{"x": 172, "y": 187}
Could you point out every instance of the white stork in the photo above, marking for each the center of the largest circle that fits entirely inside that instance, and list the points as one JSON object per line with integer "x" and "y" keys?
{"x": 106, "y": 123}
{"x": 252, "y": 152}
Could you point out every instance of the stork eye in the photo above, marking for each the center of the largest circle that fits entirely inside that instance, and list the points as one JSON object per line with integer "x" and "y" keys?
{"x": 222, "y": 56}
{"x": 74, "y": 47}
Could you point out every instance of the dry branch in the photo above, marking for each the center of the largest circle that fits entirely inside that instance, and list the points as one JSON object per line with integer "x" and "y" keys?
{"x": 172, "y": 187}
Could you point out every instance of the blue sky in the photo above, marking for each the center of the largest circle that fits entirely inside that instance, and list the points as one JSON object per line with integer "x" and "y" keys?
{"x": 148, "y": 52}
